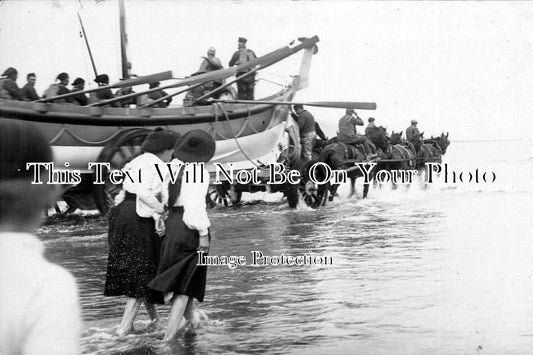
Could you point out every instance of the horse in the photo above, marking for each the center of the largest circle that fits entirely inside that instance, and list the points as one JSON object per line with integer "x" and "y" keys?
{"x": 342, "y": 156}
{"x": 379, "y": 138}
{"x": 403, "y": 154}
{"x": 433, "y": 149}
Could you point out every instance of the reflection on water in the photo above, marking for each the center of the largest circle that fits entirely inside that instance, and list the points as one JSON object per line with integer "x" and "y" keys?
{"x": 446, "y": 270}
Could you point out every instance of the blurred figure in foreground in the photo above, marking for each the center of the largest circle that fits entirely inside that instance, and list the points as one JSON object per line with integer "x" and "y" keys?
{"x": 39, "y": 309}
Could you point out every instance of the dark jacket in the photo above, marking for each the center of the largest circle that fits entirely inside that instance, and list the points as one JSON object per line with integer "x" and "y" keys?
{"x": 347, "y": 128}
{"x": 319, "y": 132}
{"x": 79, "y": 99}
{"x": 242, "y": 56}
{"x": 157, "y": 95}
{"x": 10, "y": 90}
{"x": 29, "y": 93}
{"x": 106, "y": 95}
{"x": 306, "y": 122}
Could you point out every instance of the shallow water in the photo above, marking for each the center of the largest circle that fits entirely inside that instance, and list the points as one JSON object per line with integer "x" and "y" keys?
{"x": 446, "y": 269}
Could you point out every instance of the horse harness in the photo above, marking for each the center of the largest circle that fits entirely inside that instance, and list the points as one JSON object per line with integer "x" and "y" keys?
{"x": 351, "y": 151}
{"x": 405, "y": 151}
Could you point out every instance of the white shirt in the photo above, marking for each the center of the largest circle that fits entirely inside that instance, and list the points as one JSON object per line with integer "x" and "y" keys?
{"x": 39, "y": 308}
{"x": 148, "y": 190}
{"x": 192, "y": 195}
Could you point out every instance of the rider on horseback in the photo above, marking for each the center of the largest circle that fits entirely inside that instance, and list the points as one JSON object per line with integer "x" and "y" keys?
{"x": 371, "y": 127}
{"x": 348, "y": 133}
{"x": 413, "y": 135}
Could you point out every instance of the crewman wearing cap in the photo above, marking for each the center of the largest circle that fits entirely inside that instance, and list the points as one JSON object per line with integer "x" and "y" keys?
{"x": 59, "y": 88}
{"x": 371, "y": 127}
{"x": 413, "y": 135}
{"x": 8, "y": 85}
{"x": 243, "y": 55}
{"x": 106, "y": 94}
{"x": 348, "y": 132}
{"x": 79, "y": 99}
{"x": 211, "y": 63}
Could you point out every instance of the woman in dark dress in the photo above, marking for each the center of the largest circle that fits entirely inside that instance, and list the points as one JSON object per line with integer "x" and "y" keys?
{"x": 187, "y": 229}
{"x": 133, "y": 242}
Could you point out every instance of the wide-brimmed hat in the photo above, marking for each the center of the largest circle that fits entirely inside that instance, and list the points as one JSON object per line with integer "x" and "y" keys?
{"x": 160, "y": 140}
{"x": 102, "y": 78}
{"x": 414, "y": 121}
{"x": 78, "y": 81}
{"x": 21, "y": 143}
{"x": 195, "y": 146}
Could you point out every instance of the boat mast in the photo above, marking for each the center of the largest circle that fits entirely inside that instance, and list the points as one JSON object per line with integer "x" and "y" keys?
{"x": 88, "y": 47}
{"x": 126, "y": 64}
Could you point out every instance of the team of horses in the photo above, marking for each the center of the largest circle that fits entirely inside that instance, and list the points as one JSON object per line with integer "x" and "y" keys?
{"x": 393, "y": 153}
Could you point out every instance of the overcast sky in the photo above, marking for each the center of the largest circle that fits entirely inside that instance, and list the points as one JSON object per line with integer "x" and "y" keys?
{"x": 462, "y": 67}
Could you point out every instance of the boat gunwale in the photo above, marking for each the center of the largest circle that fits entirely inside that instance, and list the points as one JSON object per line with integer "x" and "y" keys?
{"x": 97, "y": 116}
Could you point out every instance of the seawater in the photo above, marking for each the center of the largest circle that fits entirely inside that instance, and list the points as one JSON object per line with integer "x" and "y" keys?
{"x": 445, "y": 269}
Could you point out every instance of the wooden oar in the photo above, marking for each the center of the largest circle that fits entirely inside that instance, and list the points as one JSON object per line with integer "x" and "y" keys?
{"x": 125, "y": 83}
{"x": 263, "y": 62}
{"x": 330, "y": 104}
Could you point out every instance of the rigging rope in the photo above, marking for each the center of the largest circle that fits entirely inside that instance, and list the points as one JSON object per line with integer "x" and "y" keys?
{"x": 65, "y": 129}
{"x": 219, "y": 106}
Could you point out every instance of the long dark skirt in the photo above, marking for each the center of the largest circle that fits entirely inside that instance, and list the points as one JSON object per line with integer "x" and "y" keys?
{"x": 133, "y": 253}
{"x": 178, "y": 270}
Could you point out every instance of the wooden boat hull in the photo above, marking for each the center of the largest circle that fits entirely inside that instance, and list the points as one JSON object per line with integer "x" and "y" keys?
{"x": 78, "y": 134}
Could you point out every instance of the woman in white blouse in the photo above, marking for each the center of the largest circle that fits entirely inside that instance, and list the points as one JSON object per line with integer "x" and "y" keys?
{"x": 133, "y": 243}
{"x": 187, "y": 229}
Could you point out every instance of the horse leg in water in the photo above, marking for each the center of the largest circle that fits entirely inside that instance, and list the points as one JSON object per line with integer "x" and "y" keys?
{"x": 352, "y": 187}
{"x": 365, "y": 190}
{"x": 333, "y": 191}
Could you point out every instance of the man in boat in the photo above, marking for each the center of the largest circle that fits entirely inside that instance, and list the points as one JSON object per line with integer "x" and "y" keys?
{"x": 123, "y": 91}
{"x": 59, "y": 88}
{"x": 159, "y": 94}
{"x": 348, "y": 133}
{"x": 105, "y": 94}
{"x": 79, "y": 99}
{"x": 211, "y": 63}
{"x": 245, "y": 86}
{"x": 28, "y": 90}
{"x": 195, "y": 93}
{"x": 306, "y": 124}
{"x": 413, "y": 135}
{"x": 8, "y": 85}
{"x": 39, "y": 306}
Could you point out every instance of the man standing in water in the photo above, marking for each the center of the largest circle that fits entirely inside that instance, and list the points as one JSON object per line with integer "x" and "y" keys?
{"x": 39, "y": 309}
{"x": 306, "y": 124}
{"x": 246, "y": 85}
